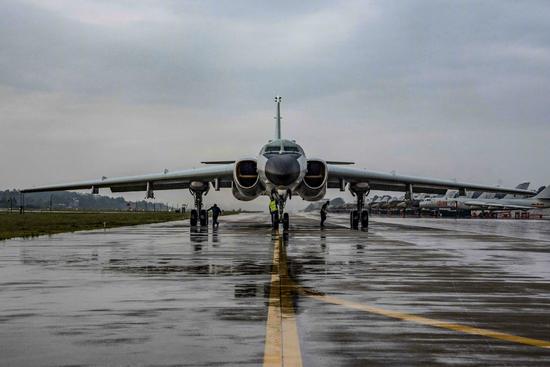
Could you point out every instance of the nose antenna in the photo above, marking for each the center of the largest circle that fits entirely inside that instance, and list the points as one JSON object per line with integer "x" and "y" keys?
{"x": 278, "y": 118}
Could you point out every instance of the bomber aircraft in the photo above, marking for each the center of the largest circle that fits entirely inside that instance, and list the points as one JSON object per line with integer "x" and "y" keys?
{"x": 281, "y": 170}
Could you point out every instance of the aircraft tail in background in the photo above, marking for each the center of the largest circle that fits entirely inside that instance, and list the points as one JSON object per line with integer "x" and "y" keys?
{"x": 523, "y": 186}
{"x": 544, "y": 194}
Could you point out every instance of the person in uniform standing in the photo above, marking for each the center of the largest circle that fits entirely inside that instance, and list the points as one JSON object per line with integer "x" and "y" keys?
{"x": 324, "y": 214}
{"x": 274, "y": 211}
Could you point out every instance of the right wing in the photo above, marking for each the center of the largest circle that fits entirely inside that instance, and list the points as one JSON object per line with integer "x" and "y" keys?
{"x": 221, "y": 174}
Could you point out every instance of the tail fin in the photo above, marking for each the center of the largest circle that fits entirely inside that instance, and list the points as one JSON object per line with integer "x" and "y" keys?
{"x": 450, "y": 194}
{"x": 278, "y": 118}
{"x": 544, "y": 194}
{"x": 521, "y": 186}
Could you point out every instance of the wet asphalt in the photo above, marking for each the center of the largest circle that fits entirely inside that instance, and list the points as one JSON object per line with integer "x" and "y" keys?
{"x": 167, "y": 295}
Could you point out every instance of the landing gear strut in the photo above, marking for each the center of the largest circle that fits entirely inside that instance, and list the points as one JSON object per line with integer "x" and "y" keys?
{"x": 359, "y": 216}
{"x": 281, "y": 216}
{"x": 198, "y": 215}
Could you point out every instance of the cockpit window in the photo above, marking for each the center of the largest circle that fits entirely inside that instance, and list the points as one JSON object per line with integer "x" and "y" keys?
{"x": 281, "y": 147}
{"x": 291, "y": 148}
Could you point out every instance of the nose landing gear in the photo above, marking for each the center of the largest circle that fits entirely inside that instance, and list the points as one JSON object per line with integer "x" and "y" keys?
{"x": 281, "y": 215}
{"x": 286, "y": 221}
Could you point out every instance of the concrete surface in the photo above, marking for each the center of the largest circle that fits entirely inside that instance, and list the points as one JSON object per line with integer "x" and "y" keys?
{"x": 407, "y": 292}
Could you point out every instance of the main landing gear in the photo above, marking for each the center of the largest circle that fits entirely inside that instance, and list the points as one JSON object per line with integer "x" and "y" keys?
{"x": 199, "y": 215}
{"x": 359, "y": 216}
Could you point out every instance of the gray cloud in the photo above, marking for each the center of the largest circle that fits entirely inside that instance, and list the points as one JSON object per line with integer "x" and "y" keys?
{"x": 446, "y": 89}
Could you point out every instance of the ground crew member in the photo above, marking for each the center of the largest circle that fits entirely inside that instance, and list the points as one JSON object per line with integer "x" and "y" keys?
{"x": 324, "y": 214}
{"x": 216, "y": 211}
{"x": 273, "y": 210}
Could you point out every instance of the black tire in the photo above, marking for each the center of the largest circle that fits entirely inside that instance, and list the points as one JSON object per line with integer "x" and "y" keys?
{"x": 286, "y": 221}
{"x": 194, "y": 218}
{"x": 354, "y": 219}
{"x": 365, "y": 219}
{"x": 276, "y": 220}
{"x": 203, "y": 218}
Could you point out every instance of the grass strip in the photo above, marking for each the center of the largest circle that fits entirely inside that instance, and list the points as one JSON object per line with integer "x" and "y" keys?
{"x": 33, "y": 224}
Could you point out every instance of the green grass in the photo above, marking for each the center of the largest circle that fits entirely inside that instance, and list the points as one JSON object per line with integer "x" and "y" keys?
{"x": 37, "y": 224}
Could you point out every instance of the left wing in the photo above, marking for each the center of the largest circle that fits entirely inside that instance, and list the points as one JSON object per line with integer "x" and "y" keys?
{"x": 220, "y": 174}
{"x": 393, "y": 182}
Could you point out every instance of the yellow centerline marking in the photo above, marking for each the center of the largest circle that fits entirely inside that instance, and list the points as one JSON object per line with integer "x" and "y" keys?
{"x": 282, "y": 344}
{"x": 425, "y": 321}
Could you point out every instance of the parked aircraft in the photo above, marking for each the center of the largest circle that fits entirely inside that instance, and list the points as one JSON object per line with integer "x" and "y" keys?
{"x": 371, "y": 201}
{"x": 452, "y": 201}
{"x": 539, "y": 201}
{"x": 402, "y": 202}
{"x": 438, "y": 202}
{"x": 380, "y": 202}
{"x": 280, "y": 170}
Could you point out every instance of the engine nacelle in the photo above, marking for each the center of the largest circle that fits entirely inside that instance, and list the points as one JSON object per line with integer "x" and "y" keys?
{"x": 246, "y": 182}
{"x": 314, "y": 185}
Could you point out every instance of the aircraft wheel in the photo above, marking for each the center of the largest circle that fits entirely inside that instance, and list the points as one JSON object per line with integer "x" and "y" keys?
{"x": 354, "y": 219}
{"x": 286, "y": 221}
{"x": 203, "y": 218}
{"x": 365, "y": 219}
{"x": 194, "y": 218}
{"x": 276, "y": 221}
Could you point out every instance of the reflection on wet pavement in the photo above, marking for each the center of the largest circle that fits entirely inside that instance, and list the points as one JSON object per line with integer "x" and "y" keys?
{"x": 166, "y": 294}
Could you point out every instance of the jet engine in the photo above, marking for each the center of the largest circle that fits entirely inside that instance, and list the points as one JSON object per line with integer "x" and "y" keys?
{"x": 314, "y": 185}
{"x": 246, "y": 182}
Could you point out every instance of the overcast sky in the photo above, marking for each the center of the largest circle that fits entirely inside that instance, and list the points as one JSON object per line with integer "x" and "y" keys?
{"x": 443, "y": 89}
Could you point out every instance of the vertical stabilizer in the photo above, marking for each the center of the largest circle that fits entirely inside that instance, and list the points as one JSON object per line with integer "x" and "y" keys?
{"x": 544, "y": 194}
{"x": 278, "y": 118}
{"x": 522, "y": 186}
{"x": 450, "y": 194}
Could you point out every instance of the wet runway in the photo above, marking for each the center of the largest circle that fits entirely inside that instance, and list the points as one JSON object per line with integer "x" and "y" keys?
{"x": 407, "y": 292}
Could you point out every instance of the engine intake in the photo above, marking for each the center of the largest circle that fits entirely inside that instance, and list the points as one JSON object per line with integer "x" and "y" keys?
{"x": 247, "y": 185}
{"x": 314, "y": 185}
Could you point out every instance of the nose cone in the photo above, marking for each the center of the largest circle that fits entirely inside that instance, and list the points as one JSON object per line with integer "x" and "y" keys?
{"x": 282, "y": 170}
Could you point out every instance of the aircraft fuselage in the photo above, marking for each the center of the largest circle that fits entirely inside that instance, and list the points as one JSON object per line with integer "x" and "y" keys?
{"x": 282, "y": 165}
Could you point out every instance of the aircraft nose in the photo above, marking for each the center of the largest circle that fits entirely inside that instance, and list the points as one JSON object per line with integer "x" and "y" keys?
{"x": 282, "y": 170}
